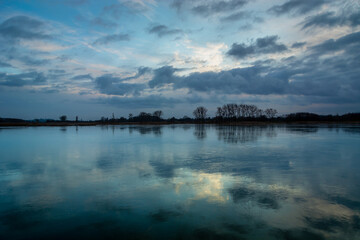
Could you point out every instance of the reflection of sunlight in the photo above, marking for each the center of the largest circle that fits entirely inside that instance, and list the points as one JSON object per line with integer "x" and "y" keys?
{"x": 204, "y": 186}
{"x": 296, "y": 203}
{"x": 210, "y": 187}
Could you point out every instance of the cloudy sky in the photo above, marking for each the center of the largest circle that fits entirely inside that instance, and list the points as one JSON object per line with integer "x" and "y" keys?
{"x": 93, "y": 58}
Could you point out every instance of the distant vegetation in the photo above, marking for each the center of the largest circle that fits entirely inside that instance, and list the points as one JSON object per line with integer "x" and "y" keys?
{"x": 63, "y": 118}
{"x": 228, "y": 113}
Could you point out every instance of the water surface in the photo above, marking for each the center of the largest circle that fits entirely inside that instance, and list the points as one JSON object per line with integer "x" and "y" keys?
{"x": 180, "y": 182}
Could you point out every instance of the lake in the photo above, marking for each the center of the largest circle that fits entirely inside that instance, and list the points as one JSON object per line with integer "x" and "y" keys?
{"x": 180, "y": 182}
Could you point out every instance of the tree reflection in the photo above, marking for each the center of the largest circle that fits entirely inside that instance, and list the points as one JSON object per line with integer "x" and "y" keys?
{"x": 143, "y": 130}
{"x": 302, "y": 129}
{"x": 351, "y": 129}
{"x": 242, "y": 134}
{"x": 200, "y": 131}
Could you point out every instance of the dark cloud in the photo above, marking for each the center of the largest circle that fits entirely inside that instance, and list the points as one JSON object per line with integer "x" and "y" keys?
{"x": 240, "y": 50}
{"x": 178, "y": 4}
{"x": 247, "y": 80}
{"x": 350, "y": 42}
{"x": 314, "y": 76}
{"x": 142, "y": 71}
{"x": 31, "y": 61}
{"x": 22, "y": 79}
{"x": 111, "y": 85}
{"x": 238, "y": 80}
{"x": 213, "y": 7}
{"x": 47, "y": 90}
{"x": 10, "y": 52}
{"x": 296, "y": 6}
{"x": 298, "y": 44}
{"x": 57, "y": 71}
{"x": 81, "y": 77}
{"x": 330, "y": 19}
{"x": 4, "y": 64}
{"x": 112, "y": 38}
{"x": 163, "y": 75}
{"x": 264, "y": 45}
{"x": 246, "y": 27}
{"x": 162, "y": 30}
{"x": 236, "y": 16}
{"x": 63, "y": 58}
{"x": 151, "y": 101}
{"x": 23, "y": 27}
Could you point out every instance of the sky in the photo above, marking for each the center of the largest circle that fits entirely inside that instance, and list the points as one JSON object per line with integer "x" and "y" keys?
{"x": 92, "y": 58}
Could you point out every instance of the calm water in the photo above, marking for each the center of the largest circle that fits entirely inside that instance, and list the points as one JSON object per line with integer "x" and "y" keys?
{"x": 180, "y": 182}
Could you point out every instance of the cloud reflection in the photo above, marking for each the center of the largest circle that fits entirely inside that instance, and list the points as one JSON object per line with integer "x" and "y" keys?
{"x": 236, "y": 182}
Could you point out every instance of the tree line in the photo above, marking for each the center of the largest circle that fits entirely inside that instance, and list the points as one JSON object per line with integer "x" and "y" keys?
{"x": 232, "y": 112}
{"x": 236, "y": 111}
{"x": 227, "y": 113}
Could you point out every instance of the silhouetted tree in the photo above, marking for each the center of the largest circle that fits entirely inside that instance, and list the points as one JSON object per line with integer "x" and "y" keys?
{"x": 200, "y": 112}
{"x": 270, "y": 113}
{"x": 158, "y": 113}
{"x": 235, "y": 112}
{"x": 63, "y": 118}
{"x": 219, "y": 112}
{"x": 259, "y": 113}
{"x": 252, "y": 109}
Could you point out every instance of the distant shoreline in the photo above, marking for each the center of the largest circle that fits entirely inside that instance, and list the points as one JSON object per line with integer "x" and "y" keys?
{"x": 244, "y": 123}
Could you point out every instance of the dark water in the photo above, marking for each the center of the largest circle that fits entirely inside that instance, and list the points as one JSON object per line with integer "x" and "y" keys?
{"x": 180, "y": 182}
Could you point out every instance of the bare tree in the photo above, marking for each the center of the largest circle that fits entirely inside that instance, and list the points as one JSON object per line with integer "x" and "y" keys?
{"x": 200, "y": 112}
{"x": 246, "y": 110}
{"x": 232, "y": 110}
{"x": 63, "y": 118}
{"x": 219, "y": 112}
{"x": 252, "y": 110}
{"x": 158, "y": 113}
{"x": 270, "y": 113}
{"x": 241, "y": 110}
{"x": 259, "y": 112}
